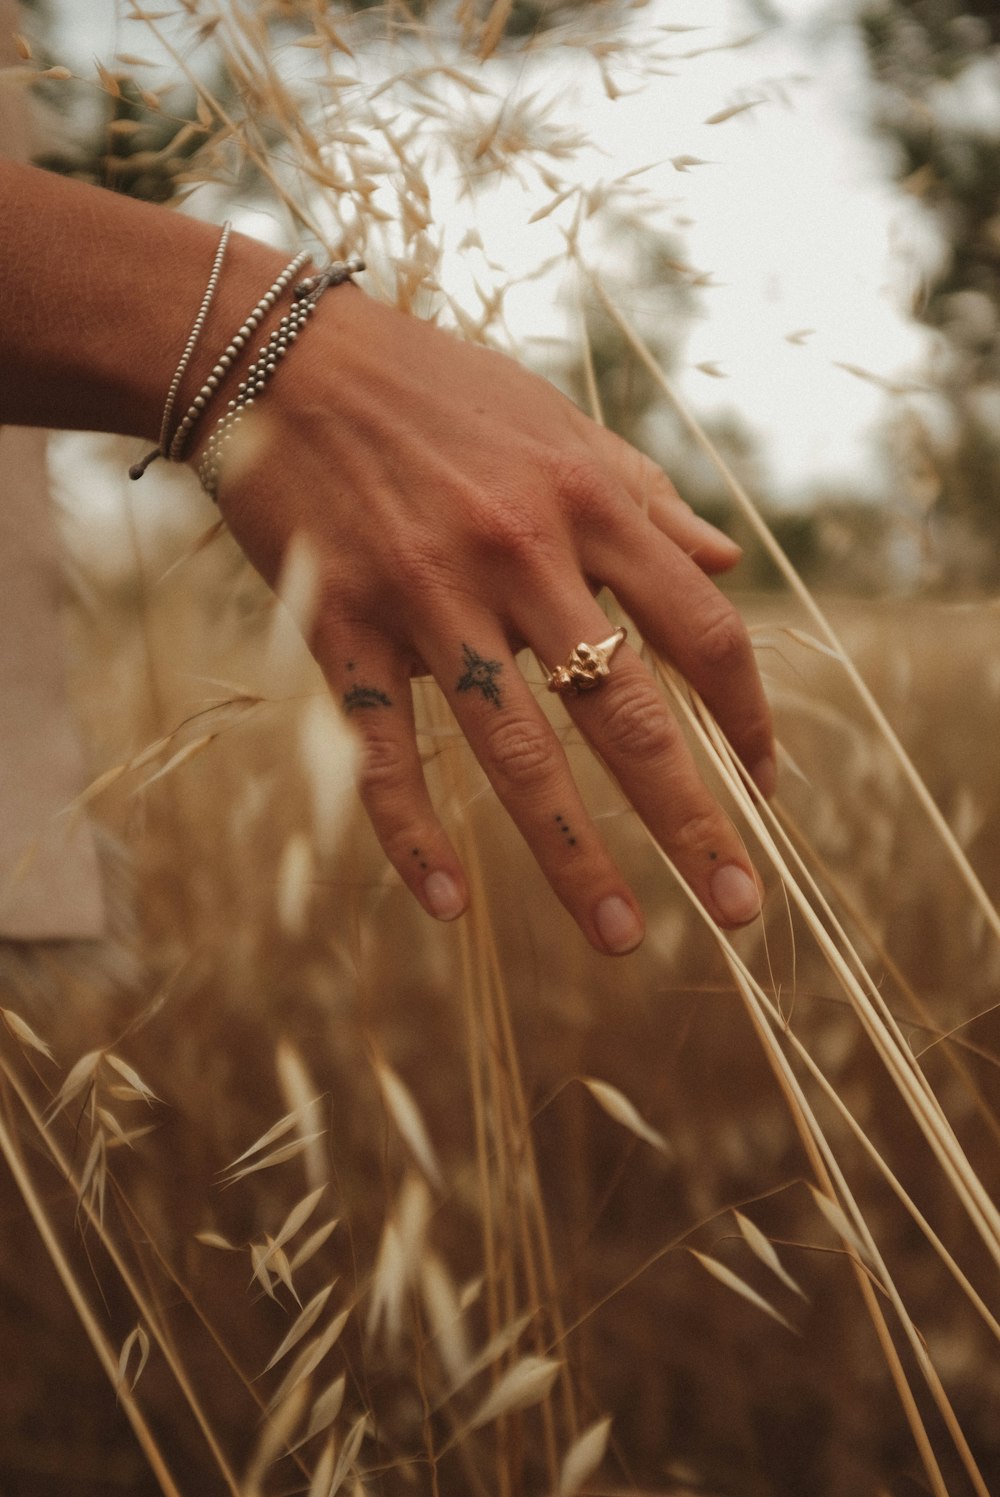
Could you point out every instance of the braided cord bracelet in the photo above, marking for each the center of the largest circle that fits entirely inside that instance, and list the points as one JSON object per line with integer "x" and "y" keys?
{"x": 306, "y": 297}
{"x": 160, "y": 450}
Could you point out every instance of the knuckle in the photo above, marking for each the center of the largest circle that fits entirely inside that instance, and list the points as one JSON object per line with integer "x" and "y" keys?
{"x": 384, "y": 767}
{"x": 584, "y": 485}
{"x": 417, "y": 568}
{"x": 724, "y": 642}
{"x": 696, "y": 829}
{"x": 519, "y": 751}
{"x": 514, "y": 534}
{"x": 639, "y": 727}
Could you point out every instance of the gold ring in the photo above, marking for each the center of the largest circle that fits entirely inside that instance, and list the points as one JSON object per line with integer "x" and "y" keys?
{"x": 587, "y": 665}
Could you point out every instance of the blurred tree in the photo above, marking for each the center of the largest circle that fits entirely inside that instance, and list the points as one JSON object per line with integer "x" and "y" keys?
{"x": 936, "y": 70}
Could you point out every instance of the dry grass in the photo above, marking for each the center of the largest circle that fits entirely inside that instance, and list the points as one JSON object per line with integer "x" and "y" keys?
{"x": 346, "y": 1201}
{"x": 282, "y": 994}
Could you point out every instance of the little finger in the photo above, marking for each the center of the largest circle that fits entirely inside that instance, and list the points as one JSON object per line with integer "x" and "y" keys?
{"x": 654, "y": 495}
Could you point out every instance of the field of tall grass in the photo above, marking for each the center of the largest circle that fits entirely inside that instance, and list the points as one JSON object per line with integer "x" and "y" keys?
{"x": 303, "y": 1193}
{"x": 525, "y": 1147}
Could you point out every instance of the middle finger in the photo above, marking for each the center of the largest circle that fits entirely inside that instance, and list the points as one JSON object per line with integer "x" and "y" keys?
{"x": 528, "y": 768}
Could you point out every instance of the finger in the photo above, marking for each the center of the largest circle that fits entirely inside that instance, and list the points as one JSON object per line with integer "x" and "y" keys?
{"x": 655, "y": 496}
{"x": 684, "y": 617}
{"x": 372, "y": 684}
{"x": 627, "y": 721}
{"x": 527, "y": 767}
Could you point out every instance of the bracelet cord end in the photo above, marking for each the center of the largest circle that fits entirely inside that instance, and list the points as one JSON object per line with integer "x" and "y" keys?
{"x": 139, "y": 468}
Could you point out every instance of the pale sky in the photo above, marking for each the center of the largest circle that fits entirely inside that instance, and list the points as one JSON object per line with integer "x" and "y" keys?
{"x": 792, "y": 215}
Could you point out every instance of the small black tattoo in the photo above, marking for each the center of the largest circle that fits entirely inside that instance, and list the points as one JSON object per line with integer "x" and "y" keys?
{"x": 563, "y": 826}
{"x": 350, "y": 665}
{"x": 713, "y": 856}
{"x": 480, "y": 675}
{"x": 360, "y": 697}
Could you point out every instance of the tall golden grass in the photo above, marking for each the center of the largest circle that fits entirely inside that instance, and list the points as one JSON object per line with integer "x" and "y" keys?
{"x": 309, "y": 1195}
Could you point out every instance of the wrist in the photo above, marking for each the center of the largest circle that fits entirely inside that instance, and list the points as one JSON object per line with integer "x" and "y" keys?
{"x": 240, "y": 382}
{"x": 97, "y": 296}
{"x": 248, "y": 302}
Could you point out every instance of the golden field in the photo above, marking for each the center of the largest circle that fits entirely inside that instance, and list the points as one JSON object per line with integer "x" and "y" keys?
{"x": 311, "y": 1196}
{"x": 504, "y": 1231}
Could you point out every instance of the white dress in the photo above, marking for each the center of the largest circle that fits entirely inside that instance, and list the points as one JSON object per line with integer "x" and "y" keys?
{"x": 50, "y": 885}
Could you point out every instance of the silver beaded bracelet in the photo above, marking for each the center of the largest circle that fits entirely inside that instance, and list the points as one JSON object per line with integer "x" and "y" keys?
{"x": 306, "y": 297}
{"x": 160, "y": 450}
{"x": 232, "y": 351}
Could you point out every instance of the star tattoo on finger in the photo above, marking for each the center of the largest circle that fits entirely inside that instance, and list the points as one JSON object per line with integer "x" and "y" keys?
{"x": 480, "y": 675}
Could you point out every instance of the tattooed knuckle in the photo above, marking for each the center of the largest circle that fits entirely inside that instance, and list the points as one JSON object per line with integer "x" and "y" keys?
{"x": 520, "y": 752}
{"x": 360, "y": 697}
{"x": 480, "y": 676}
{"x": 639, "y": 728}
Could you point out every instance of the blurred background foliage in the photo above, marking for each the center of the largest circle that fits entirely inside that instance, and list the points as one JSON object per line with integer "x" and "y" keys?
{"x": 935, "y": 65}
{"x": 931, "y": 97}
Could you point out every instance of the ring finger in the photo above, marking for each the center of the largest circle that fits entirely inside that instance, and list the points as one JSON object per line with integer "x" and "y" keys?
{"x": 628, "y": 723}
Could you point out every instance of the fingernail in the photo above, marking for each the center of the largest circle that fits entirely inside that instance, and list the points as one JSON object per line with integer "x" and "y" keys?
{"x": 618, "y": 925}
{"x": 765, "y": 777}
{"x": 443, "y": 896}
{"x": 735, "y": 895}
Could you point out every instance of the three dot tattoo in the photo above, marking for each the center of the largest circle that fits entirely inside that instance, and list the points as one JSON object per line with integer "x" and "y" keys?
{"x": 564, "y": 828}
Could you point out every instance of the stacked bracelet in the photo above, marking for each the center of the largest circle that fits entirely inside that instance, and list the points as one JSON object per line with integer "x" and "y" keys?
{"x": 306, "y": 297}
{"x": 233, "y": 350}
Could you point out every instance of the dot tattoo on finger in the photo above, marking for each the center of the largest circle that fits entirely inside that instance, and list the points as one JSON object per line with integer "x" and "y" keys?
{"x": 360, "y": 697}
{"x": 416, "y": 853}
{"x": 480, "y": 675}
{"x": 564, "y": 827}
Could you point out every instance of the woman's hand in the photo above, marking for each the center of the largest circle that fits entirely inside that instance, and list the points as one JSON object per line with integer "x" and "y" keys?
{"x": 462, "y": 508}
{"x": 459, "y": 507}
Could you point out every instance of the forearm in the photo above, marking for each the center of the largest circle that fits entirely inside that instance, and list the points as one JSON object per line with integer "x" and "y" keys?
{"x": 97, "y": 296}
